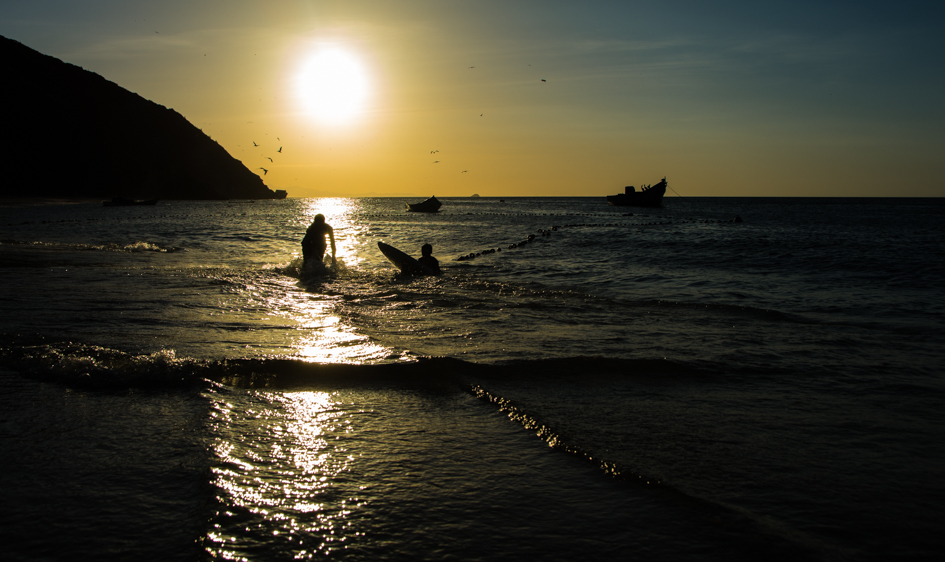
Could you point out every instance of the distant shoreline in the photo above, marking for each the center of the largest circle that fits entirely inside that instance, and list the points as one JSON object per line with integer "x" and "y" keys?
{"x": 16, "y": 201}
{"x": 39, "y": 201}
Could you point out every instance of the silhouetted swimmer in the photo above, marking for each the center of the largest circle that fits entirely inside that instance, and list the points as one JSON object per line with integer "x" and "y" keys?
{"x": 427, "y": 259}
{"x": 313, "y": 244}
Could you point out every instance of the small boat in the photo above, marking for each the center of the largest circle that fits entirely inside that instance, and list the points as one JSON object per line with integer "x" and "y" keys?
{"x": 649, "y": 196}
{"x": 124, "y": 202}
{"x": 431, "y": 205}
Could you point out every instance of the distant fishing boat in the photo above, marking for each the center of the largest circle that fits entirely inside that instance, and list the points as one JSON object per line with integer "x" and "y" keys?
{"x": 431, "y": 205}
{"x": 650, "y": 196}
{"x": 124, "y": 202}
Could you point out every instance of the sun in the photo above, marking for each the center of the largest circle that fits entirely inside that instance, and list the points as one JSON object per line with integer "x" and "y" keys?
{"x": 333, "y": 86}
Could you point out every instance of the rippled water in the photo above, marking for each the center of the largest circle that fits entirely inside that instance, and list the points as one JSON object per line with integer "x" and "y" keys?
{"x": 768, "y": 388}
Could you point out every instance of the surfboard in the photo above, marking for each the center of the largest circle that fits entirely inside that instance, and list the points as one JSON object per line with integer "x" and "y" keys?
{"x": 404, "y": 262}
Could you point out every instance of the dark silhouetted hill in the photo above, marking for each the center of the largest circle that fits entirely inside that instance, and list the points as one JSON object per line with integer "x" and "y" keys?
{"x": 68, "y": 132}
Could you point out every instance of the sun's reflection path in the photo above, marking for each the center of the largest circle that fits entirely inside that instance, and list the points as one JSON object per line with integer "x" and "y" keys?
{"x": 340, "y": 214}
{"x": 280, "y": 458}
{"x": 325, "y": 338}
{"x": 322, "y": 334}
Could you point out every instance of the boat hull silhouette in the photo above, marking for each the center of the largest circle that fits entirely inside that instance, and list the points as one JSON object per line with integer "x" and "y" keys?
{"x": 431, "y": 205}
{"x": 647, "y": 197}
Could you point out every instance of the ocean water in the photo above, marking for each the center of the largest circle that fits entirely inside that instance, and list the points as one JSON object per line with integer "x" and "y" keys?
{"x": 583, "y": 382}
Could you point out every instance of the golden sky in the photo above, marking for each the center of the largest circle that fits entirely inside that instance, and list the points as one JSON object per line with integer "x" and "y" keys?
{"x": 533, "y": 98}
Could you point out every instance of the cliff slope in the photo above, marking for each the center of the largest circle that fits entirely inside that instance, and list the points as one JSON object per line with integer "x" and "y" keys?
{"x": 71, "y": 133}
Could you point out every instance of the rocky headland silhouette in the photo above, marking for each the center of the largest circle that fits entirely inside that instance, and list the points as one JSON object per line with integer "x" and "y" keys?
{"x": 70, "y": 133}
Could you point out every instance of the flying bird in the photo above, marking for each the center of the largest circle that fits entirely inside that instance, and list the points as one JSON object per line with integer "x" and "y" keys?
{"x": 464, "y": 171}
{"x": 543, "y": 80}
{"x": 265, "y": 171}
{"x": 280, "y": 148}
{"x": 270, "y": 159}
{"x": 434, "y": 151}
{"x": 436, "y": 161}
{"x": 254, "y": 143}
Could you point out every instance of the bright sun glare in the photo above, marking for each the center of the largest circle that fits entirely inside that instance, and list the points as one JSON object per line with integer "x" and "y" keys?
{"x": 333, "y": 86}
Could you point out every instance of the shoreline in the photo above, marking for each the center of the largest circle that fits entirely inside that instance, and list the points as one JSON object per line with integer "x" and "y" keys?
{"x": 37, "y": 201}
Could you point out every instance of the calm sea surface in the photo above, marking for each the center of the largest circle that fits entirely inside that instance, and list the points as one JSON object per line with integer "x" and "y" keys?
{"x": 583, "y": 382}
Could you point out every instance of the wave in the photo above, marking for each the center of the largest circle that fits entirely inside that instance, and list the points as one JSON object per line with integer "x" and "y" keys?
{"x": 133, "y": 247}
{"x": 794, "y": 544}
{"x": 557, "y": 441}
{"x": 94, "y": 367}
{"x": 97, "y": 367}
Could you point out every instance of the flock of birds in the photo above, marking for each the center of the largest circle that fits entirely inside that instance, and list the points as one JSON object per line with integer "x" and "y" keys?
{"x": 480, "y": 115}
{"x": 265, "y": 171}
{"x": 437, "y": 161}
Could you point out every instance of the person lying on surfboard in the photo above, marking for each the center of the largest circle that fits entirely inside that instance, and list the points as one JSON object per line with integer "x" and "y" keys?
{"x": 427, "y": 258}
{"x": 313, "y": 244}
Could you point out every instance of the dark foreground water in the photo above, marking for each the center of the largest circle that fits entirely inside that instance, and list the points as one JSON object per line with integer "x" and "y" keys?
{"x": 653, "y": 384}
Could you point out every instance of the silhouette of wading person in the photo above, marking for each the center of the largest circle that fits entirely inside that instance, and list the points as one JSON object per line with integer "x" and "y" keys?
{"x": 313, "y": 244}
{"x": 427, "y": 259}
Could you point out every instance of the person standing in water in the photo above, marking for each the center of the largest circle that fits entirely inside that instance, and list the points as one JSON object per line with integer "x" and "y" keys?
{"x": 313, "y": 244}
{"x": 427, "y": 259}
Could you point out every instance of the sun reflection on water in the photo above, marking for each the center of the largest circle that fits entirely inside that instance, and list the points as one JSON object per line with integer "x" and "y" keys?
{"x": 326, "y": 339}
{"x": 280, "y": 456}
{"x": 339, "y": 214}
{"x": 322, "y": 335}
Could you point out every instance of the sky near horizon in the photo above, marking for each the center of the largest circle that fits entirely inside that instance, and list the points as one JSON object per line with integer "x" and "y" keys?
{"x": 533, "y": 98}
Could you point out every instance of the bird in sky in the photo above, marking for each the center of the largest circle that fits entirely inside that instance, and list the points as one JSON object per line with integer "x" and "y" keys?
{"x": 543, "y": 80}
{"x": 270, "y": 159}
{"x": 280, "y": 148}
{"x": 265, "y": 171}
{"x": 464, "y": 171}
{"x": 434, "y": 151}
{"x": 254, "y": 143}
{"x": 436, "y": 161}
